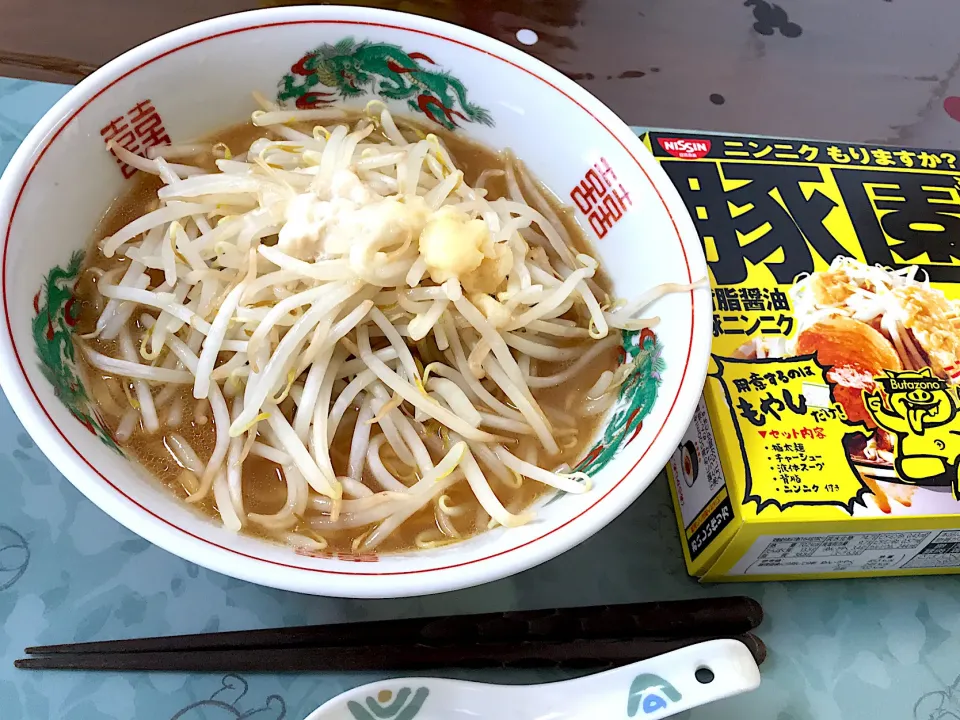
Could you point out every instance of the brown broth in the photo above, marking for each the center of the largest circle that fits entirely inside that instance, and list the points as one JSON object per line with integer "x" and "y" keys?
{"x": 264, "y": 489}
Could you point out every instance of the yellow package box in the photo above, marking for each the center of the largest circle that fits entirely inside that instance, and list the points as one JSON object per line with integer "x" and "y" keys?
{"x": 827, "y": 442}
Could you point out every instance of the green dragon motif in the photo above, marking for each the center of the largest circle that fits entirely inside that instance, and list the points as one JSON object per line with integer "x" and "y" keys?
{"x": 56, "y": 315}
{"x": 352, "y": 69}
{"x": 634, "y": 402}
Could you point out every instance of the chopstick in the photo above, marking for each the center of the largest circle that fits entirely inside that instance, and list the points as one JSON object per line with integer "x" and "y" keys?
{"x": 608, "y": 634}
{"x": 715, "y": 616}
{"x": 592, "y": 654}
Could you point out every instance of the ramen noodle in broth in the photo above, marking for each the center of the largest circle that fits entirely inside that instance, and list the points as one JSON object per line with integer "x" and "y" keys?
{"x": 345, "y": 332}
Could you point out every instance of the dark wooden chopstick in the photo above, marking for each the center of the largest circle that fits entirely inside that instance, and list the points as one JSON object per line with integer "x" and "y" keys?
{"x": 719, "y": 617}
{"x": 594, "y": 637}
{"x": 592, "y": 654}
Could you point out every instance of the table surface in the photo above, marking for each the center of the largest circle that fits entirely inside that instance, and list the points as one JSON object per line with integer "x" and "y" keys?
{"x": 884, "y": 648}
{"x": 780, "y": 68}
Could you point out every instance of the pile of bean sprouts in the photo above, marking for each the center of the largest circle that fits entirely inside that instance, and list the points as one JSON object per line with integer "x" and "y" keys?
{"x": 283, "y": 338}
{"x": 918, "y": 319}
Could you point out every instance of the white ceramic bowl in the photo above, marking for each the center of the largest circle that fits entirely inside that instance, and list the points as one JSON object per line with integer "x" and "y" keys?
{"x": 196, "y": 80}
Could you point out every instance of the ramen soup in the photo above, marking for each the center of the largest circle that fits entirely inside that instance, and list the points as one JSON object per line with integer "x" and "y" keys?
{"x": 349, "y": 333}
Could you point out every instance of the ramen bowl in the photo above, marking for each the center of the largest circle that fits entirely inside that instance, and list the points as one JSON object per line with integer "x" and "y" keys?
{"x": 197, "y": 80}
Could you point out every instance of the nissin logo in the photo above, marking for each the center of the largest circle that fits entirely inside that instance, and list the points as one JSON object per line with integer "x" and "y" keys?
{"x": 684, "y": 148}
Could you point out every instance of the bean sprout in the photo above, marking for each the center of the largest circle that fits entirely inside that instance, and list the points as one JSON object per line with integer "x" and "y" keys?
{"x": 341, "y": 280}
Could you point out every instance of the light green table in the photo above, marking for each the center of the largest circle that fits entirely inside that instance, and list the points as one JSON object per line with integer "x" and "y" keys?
{"x": 879, "y": 649}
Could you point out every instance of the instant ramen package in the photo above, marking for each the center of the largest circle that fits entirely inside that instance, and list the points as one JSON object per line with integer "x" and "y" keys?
{"x": 827, "y": 442}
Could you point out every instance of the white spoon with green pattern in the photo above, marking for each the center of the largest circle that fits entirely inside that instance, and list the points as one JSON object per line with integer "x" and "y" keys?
{"x": 654, "y": 688}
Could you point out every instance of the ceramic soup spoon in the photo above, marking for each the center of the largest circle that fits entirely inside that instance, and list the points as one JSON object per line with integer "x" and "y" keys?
{"x": 654, "y": 688}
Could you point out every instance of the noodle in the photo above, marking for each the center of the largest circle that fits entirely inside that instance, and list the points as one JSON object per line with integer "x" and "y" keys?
{"x": 388, "y": 335}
